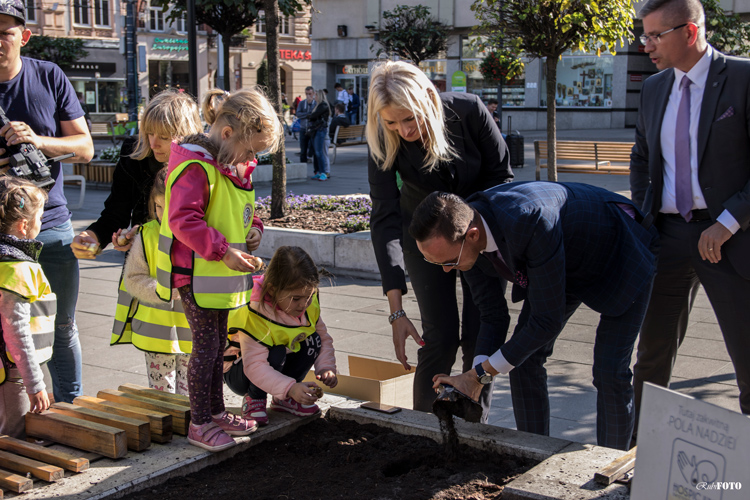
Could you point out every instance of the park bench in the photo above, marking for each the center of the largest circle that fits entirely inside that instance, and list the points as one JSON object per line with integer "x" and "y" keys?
{"x": 586, "y": 157}
{"x": 353, "y": 135}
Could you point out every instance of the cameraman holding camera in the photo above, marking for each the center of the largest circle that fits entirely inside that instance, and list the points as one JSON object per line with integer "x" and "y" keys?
{"x": 44, "y": 111}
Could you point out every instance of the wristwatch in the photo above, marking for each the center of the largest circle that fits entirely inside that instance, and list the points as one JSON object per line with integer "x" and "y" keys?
{"x": 483, "y": 377}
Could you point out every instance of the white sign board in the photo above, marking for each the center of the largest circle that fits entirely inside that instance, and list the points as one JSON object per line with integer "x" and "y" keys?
{"x": 690, "y": 450}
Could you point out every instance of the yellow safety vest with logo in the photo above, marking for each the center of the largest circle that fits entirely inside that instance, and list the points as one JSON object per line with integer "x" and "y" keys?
{"x": 230, "y": 211}
{"x": 161, "y": 328}
{"x": 27, "y": 280}
{"x": 270, "y": 333}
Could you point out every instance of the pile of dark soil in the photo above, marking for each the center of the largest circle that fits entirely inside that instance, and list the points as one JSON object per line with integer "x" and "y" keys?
{"x": 329, "y": 459}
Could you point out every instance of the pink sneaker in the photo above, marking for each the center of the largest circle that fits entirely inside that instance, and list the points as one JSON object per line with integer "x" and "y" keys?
{"x": 234, "y": 425}
{"x": 289, "y": 405}
{"x": 255, "y": 409}
{"x": 210, "y": 437}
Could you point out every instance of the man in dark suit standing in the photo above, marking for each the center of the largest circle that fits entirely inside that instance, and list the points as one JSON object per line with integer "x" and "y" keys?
{"x": 690, "y": 169}
{"x": 561, "y": 244}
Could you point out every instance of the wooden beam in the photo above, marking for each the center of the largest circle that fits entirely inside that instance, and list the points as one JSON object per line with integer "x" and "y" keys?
{"x": 39, "y": 470}
{"x": 137, "y": 432}
{"x": 180, "y": 414}
{"x": 160, "y": 423}
{"x": 90, "y": 436}
{"x": 14, "y": 482}
{"x": 140, "y": 390}
{"x": 52, "y": 457}
{"x": 616, "y": 469}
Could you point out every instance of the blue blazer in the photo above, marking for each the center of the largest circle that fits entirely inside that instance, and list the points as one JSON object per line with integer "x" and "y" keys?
{"x": 573, "y": 242}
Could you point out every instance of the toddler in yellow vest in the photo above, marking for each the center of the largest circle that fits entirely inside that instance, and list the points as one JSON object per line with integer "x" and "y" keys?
{"x": 157, "y": 328}
{"x": 282, "y": 336}
{"x": 27, "y": 306}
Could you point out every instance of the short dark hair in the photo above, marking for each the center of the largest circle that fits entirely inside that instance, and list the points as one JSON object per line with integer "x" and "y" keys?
{"x": 338, "y": 86}
{"x": 351, "y": 87}
{"x": 441, "y": 215}
{"x": 309, "y": 87}
{"x": 676, "y": 11}
{"x": 492, "y": 101}
{"x": 340, "y": 107}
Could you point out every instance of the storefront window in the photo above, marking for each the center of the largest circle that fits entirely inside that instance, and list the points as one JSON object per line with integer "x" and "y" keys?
{"x": 435, "y": 69}
{"x": 582, "y": 81}
{"x": 513, "y": 90}
{"x": 103, "y": 96}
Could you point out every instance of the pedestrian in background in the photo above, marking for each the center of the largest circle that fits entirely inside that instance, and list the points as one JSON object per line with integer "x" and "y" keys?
{"x": 353, "y": 106}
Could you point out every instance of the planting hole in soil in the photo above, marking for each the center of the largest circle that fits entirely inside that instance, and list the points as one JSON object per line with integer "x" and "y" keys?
{"x": 341, "y": 459}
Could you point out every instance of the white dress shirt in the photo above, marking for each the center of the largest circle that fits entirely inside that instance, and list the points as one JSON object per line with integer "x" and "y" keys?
{"x": 698, "y": 75}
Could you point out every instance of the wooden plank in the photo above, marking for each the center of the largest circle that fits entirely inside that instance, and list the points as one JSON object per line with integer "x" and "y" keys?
{"x": 616, "y": 469}
{"x": 180, "y": 414}
{"x": 137, "y": 431}
{"x": 159, "y": 422}
{"x": 90, "y": 436}
{"x": 53, "y": 457}
{"x": 168, "y": 397}
{"x": 39, "y": 470}
{"x": 14, "y": 482}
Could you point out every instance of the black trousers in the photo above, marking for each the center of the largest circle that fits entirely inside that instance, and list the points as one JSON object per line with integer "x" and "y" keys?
{"x": 680, "y": 271}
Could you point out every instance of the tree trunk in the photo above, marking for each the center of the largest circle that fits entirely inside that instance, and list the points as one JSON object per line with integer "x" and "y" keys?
{"x": 278, "y": 186}
{"x": 551, "y": 119}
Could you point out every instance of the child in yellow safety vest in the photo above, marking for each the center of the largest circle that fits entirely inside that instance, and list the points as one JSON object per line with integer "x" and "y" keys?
{"x": 281, "y": 336}
{"x": 203, "y": 243}
{"x": 157, "y": 328}
{"x": 27, "y": 306}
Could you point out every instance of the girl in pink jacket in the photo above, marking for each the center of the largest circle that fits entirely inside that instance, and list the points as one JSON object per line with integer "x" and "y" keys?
{"x": 281, "y": 336}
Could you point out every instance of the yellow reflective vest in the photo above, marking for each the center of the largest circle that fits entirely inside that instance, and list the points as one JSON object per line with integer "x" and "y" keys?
{"x": 27, "y": 280}
{"x": 270, "y": 333}
{"x": 160, "y": 328}
{"x": 230, "y": 211}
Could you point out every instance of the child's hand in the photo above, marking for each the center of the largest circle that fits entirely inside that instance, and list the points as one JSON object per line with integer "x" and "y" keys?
{"x": 122, "y": 240}
{"x": 253, "y": 239}
{"x": 85, "y": 245}
{"x": 237, "y": 260}
{"x": 329, "y": 378}
{"x": 39, "y": 401}
{"x": 303, "y": 393}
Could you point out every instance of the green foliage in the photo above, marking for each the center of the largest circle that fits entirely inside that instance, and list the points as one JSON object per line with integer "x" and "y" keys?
{"x": 263, "y": 74}
{"x": 111, "y": 153}
{"x": 62, "y": 51}
{"x": 412, "y": 34}
{"x": 549, "y": 28}
{"x": 500, "y": 65}
{"x": 727, "y": 33}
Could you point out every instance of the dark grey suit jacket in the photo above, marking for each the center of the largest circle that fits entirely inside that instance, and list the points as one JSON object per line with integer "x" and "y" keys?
{"x": 723, "y": 148}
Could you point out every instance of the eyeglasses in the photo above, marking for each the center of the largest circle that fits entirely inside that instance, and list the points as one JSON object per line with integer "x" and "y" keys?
{"x": 458, "y": 260}
{"x": 657, "y": 38}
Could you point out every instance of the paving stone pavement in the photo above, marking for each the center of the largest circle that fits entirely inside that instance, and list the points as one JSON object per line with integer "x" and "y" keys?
{"x": 355, "y": 311}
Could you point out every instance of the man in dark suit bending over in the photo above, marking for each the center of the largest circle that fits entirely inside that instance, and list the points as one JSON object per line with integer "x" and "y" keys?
{"x": 561, "y": 244}
{"x": 690, "y": 169}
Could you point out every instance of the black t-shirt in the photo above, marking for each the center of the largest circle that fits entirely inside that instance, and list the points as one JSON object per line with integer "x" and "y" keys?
{"x": 41, "y": 96}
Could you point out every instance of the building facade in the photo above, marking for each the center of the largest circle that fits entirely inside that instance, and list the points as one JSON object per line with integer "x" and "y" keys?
{"x": 591, "y": 91}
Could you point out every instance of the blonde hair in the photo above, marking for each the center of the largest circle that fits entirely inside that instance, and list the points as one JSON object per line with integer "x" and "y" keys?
{"x": 19, "y": 200}
{"x": 158, "y": 189}
{"x": 404, "y": 86}
{"x": 290, "y": 268}
{"x": 169, "y": 114}
{"x": 320, "y": 96}
{"x": 211, "y": 103}
{"x": 248, "y": 112}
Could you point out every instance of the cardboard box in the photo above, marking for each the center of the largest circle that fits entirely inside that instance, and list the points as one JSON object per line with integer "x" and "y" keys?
{"x": 374, "y": 380}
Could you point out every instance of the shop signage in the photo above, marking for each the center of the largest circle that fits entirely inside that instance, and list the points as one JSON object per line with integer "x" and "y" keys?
{"x": 170, "y": 44}
{"x": 636, "y": 77}
{"x": 355, "y": 69}
{"x": 94, "y": 66}
{"x": 458, "y": 81}
{"x": 689, "y": 449}
{"x": 296, "y": 55}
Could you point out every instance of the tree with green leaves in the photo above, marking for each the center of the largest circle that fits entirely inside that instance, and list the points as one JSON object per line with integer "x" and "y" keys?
{"x": 728, "y": 33}
{"x": 62, "y": 51}
{"x": 550, "y": 28}
{"x": 226, "y": 17}
{"x": 412, "y": 33}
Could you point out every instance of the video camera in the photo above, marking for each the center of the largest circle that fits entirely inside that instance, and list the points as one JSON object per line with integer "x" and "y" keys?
{"x": 26, "y": 161}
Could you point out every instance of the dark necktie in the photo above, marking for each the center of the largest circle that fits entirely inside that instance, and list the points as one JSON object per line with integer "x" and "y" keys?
{"x": 682, "y": 174}
{"x": 503, "y": 270}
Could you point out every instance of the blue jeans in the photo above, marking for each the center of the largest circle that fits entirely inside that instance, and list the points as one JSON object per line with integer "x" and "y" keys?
{"x": 353, "y": 119}
{"x": 320, "y": 162}
{"x": 303, "y": 146}
{"x": 61, "y": 268}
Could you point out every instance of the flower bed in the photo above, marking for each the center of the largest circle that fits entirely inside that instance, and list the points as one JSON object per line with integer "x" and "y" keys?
{"x": 338, "y": 214}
